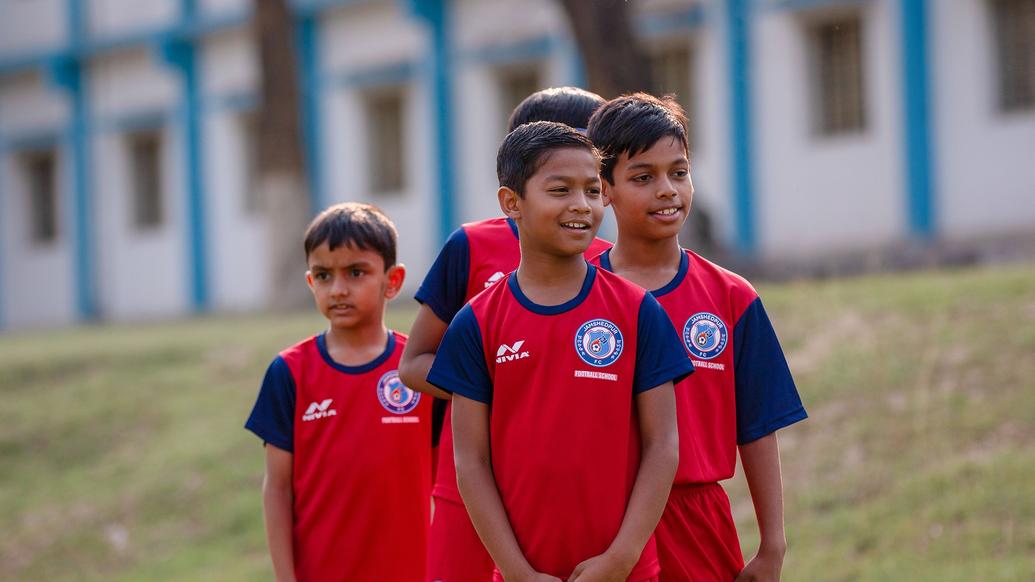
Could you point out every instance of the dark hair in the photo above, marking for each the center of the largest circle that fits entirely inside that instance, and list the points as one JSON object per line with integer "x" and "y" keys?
{"x": 360, "y": 225}
{"x": 568, "y": 105}
{"x": 525, "y": 149}
{"x": 632, "y": 124}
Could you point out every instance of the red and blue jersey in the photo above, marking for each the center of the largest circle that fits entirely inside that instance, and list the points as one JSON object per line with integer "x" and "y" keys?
{"x": 474, "y": 257}
{"x": 361, "y": 445}
{"x": 561, "y": 382}
{"x": 743, "y": 389}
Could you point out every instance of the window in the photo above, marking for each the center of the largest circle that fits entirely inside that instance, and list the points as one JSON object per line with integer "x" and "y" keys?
{"x": 385, "y": 138}
{"x": 670, "y": 68}
{"x": 1014, "y": 25}
{"x": 515, "y": 84}
{"x": 248, "y": 128}
{"x": 145, "y": 157}
{"x": 838, "y": 92}
{"x": 41, "y": 181}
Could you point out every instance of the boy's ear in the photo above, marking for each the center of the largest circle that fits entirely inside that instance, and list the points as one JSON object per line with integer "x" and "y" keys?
{"x": 509, "y": 202}
{"x": 396, "y": 274}
{"x": 606, "y": 190}
{"x": 309, "y": 279}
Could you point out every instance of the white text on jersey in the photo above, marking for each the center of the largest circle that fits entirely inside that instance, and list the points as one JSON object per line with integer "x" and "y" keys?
{"x": 507, "y": 353}
{"x": 319, "y": 410}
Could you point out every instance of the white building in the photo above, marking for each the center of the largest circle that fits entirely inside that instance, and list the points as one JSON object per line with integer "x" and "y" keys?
{"x": 817, "y": 126}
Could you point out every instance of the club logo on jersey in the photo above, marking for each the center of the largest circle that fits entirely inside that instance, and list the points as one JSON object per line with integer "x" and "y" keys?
{"x": 494, "y": 278}
{"x": 318, "y": 410}
{"x": 507, "y": 353}
{"x": 394, "y": 395}
{"x": 705, "y": 335}
{"x": 599, "y": 342}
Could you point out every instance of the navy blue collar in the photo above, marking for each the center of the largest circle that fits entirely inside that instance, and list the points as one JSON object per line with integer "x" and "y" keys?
{"x": 684, "y": 266}
{"x": 321, "y": 344}
{"x": 513, "y": 227}
{"x": 587, "y": 285}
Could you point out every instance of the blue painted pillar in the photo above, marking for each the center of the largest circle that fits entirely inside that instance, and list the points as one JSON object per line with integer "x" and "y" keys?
{"x": 307, "y": 34}
{"x": 738, "y": 39}
{"x": 182, "y": 54}
{"x": 71, "y": 75}
{"x": 917, "y": 119}
{"x": 436, "y": 13}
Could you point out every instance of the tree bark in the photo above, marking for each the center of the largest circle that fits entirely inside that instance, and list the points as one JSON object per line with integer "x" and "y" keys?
{"x": 615, "y": 61}
{"x": 281, "y": 163}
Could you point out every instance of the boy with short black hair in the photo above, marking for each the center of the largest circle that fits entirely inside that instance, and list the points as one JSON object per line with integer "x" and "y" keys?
{"x": 348, "y": 445}
{"x": 563, "y": 411}
{"x": 742, "y": 392}
{"x": 476, "y": 255}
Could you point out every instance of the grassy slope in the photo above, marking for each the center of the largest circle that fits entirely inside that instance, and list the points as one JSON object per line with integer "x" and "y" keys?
{"x": 123, "y": 456}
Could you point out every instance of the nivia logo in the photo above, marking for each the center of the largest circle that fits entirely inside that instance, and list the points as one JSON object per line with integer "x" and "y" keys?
{"x": 318, "y": 410}
{"x": 507, "y": 353}
{"x": 495, "y": 277}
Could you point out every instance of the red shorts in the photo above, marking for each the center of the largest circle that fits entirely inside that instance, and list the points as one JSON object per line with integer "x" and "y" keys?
{"x": 697, "y": 539}
{"x": 455, "y": 553}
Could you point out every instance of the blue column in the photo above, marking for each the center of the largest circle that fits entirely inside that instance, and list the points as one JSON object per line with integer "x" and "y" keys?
{"x": 738, "y": 39}
{"x": 182, "y": 54}
{"x": 308, "y": 38}
{"x": 916, "y": 119}
{"x": 436, "y": 13}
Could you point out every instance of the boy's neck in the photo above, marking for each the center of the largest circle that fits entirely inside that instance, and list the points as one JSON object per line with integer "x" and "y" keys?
{"x": 549, "y": 279}
{"x": 355, "y": 346}
{"x": 650, "y": 263}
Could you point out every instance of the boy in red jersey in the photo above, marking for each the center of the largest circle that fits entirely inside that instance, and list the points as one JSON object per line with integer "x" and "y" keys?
{"x": 742, "y": 392}
{"x": 475, "y": 256}
{"x": 563, "y": 410}
{"x": 348, "y": 445}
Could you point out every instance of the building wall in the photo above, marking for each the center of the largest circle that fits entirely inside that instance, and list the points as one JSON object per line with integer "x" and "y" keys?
{"x": 985, "y": 175}
{"x": 47, "y": 30}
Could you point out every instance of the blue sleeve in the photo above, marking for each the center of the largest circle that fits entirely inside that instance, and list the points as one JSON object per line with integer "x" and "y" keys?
{"x": 445, "y": 286}
{"x": 660, "y": 355}
{"x": 459, "y": 366}
{"x": 273, "y": 417}
{"x": 767, "y": 399}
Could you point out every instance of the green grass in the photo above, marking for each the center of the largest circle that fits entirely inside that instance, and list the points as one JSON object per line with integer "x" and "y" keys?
{"x": 123, "y": 456}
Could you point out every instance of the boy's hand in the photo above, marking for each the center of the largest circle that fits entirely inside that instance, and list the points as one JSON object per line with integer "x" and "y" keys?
{"x": 606, "y": 567}
{"x": 538, "y": 577}
{"x": 764, "y": 567}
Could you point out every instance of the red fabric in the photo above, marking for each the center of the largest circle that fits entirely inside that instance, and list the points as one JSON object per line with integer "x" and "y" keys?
{"x": 697, "y": 538}
{"x": 455, "y": 553}
{"x": 361, "y": 475}
{"x": 565, "y": 449}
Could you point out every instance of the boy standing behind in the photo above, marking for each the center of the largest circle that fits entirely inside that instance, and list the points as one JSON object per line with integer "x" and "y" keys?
{"x": 742, "y": 392}
{"x": 563, "y": 411}
{"x": 476, "y": 255}
{"x": 348, "y": 446}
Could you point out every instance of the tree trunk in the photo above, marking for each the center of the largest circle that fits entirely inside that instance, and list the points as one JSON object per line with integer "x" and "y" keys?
{"x": 281, "y": 164}
{"x": 615, "y": 61}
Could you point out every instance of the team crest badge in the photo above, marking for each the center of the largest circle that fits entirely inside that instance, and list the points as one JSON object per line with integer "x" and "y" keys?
{"x": 599, "y": 342}
{"x": 705, "y": 335}
{"x": 394, "y": 395}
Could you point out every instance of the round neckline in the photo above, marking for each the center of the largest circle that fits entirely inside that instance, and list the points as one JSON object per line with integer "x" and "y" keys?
{"x": 587, "y": 285}
{"x": 684, "y": 267}
{"x": 321, "y": 345}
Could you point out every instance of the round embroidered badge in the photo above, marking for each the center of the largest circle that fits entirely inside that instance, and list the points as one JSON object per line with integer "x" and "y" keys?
{"x": 599, "y": 342}
{"x": 394, "y": 396}
{"x": 705, "y": 335}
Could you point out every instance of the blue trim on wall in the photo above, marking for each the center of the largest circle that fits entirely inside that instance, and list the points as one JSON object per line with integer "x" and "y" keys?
{"x": 183, "y": 56}
{"x": 384, "y": 75}
{"x": 437, "y": 14}
{"x": 40, "y": 139}
{"x": 308, "y": 37}
{"x": 916, "y": 115}
{"x": 129, "y": 122}
{"x": 810, "y": 4}
{"x": 738, "y": 39}
{"x": 233, "y": 102}
{"x": 529, "y": 49}
{"x": 671, "y": 22}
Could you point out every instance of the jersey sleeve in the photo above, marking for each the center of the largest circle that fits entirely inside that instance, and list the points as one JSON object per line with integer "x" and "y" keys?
{"x": 273, "y": 417}
{"x": 660, "y": 356}
{"x": 459, "y": 366}
{"x": 445, "y": 286}
{"x": 767, "y": 399}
